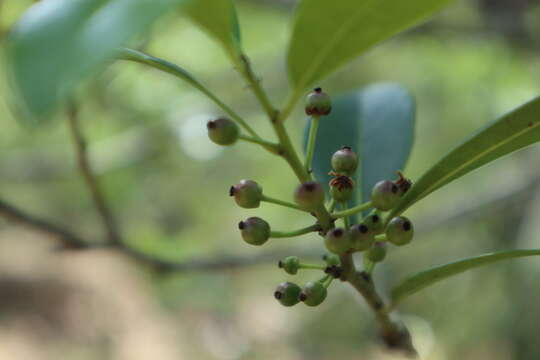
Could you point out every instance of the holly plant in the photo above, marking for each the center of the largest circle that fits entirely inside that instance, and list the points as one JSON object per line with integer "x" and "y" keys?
{"x": 351, "y": 183}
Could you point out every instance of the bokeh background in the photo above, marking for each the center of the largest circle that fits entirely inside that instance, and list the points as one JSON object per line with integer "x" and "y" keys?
{"x": 167, "y": 184}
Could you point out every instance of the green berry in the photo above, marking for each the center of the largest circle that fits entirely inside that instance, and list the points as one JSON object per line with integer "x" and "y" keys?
{"x": 400, "y": 231}
{"x": 377, "y": 252}
{"x": 309, "y": 195}
{"x": 341, "y": 188}
{"x": 344, "y": 161}
{"x": 331, "y": 259}
{"x": 374, "y": 223}
{"x": 287, "y": 293}
{"x": 338, "y": 241}
{"x": 318, "y": 103}
{"x": 223, "y": 131}
{"x": 247, "y": 194}
{"x": 290, "y": 264}
{"x": 255, "y": 231}
{"x": 385, "y": 195}
{"x": 361, "y": 237}
{"x": 313, "y": 293}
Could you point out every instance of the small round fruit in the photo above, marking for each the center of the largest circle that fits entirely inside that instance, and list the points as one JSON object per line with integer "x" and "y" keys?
{"x": 313, "y": 293}
{"x": 341, "y": 188}
{"x": 309, "y": 195}
{"x": 331, "y": 259}
{"x": 255, "y": 231}
{"x": 223, "y": 131}
{"x": 385, "y": 195}
{"x": 400, "y": 231}
{"x": 287, "y": 293}
{"x": 247, "y": 194}
{"x": 374, "y": 223}
{"x": 290, "y": 264}
{"x": 377, "y": 252}
{"x": 318, "y": 103}
{"x": 361, "y": 237}
{"x": 338, "y": 241}
{"x": 344, "y": 161}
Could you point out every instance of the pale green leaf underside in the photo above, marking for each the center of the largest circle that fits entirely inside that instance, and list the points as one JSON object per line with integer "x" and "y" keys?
{"x": 511, "y": 132}
{"x": 217, "y": 18}
{"x": 58, "y": 43}
{"x": 327, "y": 34}
{"x": 431, "y": 276}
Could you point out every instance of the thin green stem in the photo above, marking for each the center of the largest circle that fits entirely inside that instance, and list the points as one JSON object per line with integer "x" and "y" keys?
{"x": 282, "y": 203}
{"x": 346, "y": 222}
{"x": 353, "y": 210}
{"x": 332, "y": 205}
{"x": 311, "y": 266}
{"x": 380, "y": 238}
{"x": 314, "y": 125}
{"x": 244, "y": 66}
{"x": 326, "y": 282}
{"x": 270, "y": 146}
{"x": 175, "y": 70}
{"x": 294, "y": 233}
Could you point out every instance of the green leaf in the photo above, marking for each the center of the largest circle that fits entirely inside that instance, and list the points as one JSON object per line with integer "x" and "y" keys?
{"x": 378, "y": 123}
{"x": 218, "y": 18}
{"x": 388, "y": 117}
{"x": 328, "y": 34}
{"x": 431, "y": 276}
{"x": 513, "y": 131}
{"x": 58, "y": 43}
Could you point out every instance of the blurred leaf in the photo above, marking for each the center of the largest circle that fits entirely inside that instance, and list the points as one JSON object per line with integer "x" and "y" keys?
{"x": 57, "y": 43}
{"x": 328, "y": 34}
{"x": 377, "y": 122}
{"x": 388, "y": 117}
{"x": 431, "y": 276}
{"x": 513, "y": 131}
{"x": 218, "y": 18}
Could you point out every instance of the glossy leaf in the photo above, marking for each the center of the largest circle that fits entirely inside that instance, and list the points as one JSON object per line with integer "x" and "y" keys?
{"x": 388, "y": 120}
{"x": 328, "y": 34}
{"x": 218, "y": 18}
{"x": 511, "y": 132}
{"x": 58, "y": 43}
{"x": 431, "y": 276}
{"x": 378, "y": 123}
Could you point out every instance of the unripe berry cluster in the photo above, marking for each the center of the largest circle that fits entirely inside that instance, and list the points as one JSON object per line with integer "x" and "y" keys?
{"x": 370, "y": 234}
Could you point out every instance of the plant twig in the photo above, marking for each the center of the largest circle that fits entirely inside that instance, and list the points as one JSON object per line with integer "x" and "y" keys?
{"x": 85, "y": 167}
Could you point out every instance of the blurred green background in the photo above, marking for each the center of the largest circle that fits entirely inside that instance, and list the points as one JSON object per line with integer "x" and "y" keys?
{"x": 168, "y": 186}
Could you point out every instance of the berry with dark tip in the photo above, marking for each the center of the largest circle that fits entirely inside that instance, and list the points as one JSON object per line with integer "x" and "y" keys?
{"x": 338, "y": 241}
{"x": 223, "y": 131}
{"x": 255, "y": 231}
{"x": 341, "y": 188}
{"x": 313, "y": 293}
{"x": 247, "y": 194}
{"x": 290, "y": 264}
{"x": 385, "y": 195}
{"x": 331, "y": 259}
{"x": 309, "y": 195}
{"x": 287, "y": 293}
{"x": 374, "y": 223}
{"x": 318, "y": 103}
{"x": 377, "y": 252}
{"x": 361, "y": 237}
{"x": 344, "y": 161}
{"x": 400, "y": 231}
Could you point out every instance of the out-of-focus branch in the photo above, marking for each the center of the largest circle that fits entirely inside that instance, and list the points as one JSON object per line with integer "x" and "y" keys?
{"x": 85, "y": 167}
{"x": 69, "y": 239}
